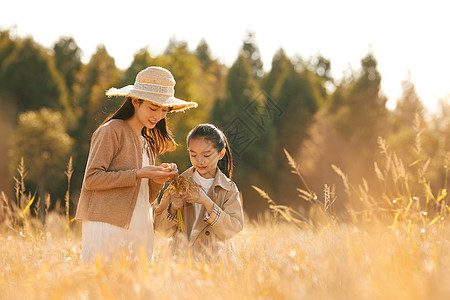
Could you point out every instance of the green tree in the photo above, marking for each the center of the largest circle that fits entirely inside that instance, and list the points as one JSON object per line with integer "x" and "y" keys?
{"x": 41, "y": 139}
{"x": 268, "y": 144}
{"x": 228, "y": 114}
{"x": 299, "y": 101}
{"x": 241, "y": 89}
{"x": 203, "y": 54}
{"x": 321, "y": 66}
{"x": 97, "y": 76}
{"x": 7, "y": 45}
{"x": 67, "y": 56}
{"x": 251, "y": 52}
{"x": 272, "y": 81}
{"x": 30, "y": 77}
{"x": 362, "y": 115}
{"x": 346, "y": 130}
{"x": 323, "y": 79}
{"x": 91, "y": 104}
{"x": 8, "y": 114}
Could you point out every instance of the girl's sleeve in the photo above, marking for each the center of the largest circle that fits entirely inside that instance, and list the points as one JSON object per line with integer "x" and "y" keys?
{"x": 229, "y": 220}
{"x": 165, "y": 223}
{"x": 104, "y": 145}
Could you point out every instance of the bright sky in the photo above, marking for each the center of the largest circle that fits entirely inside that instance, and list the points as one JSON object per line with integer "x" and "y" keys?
{"x": 404, "y": 35}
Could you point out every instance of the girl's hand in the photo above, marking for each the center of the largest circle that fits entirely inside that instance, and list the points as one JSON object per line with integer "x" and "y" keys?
{"x": 199, "y": 197}
{"x": 177, "y": 202}
{"x": 156, "y": 173}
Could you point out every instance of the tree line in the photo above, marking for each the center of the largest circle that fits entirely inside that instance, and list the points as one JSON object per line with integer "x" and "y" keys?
{"x": 51, "y": 102}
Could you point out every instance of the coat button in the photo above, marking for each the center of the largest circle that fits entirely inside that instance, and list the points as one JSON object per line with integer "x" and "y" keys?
{"x": 206, "y": 232}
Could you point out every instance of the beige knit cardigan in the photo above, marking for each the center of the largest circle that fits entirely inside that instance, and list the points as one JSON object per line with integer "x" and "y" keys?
{"x": 110, "y": 185}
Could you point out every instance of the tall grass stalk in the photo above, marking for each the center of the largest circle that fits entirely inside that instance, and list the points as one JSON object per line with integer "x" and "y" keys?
{"x": 68, "y": 173}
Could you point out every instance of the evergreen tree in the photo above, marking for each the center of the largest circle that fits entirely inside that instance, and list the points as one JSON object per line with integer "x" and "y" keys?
{"x": 299, "y": 101}
{"x": 229, "y": 115}
{"x": 281, "y": 66}
{"x": 203, "y": 54}
{"x": 29, "y": 76}
{"x": 241, "y": 89}
{"x": 7, "y": 46}
{"x": 96, "y": 77}
{"x": 321, "y": 66}
{"x": 251, "y": 52}
{"x": 67, "y": 56}
{"x": 362, "y": 114}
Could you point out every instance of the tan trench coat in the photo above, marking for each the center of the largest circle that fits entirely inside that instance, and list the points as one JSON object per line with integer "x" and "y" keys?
{"x": 212, "y": 235}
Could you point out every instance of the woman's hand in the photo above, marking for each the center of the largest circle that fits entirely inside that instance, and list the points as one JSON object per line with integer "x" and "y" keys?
{"x": 170, "y": 166}
{"x": 158, "y": 174}
{"x": 177, "y": 202}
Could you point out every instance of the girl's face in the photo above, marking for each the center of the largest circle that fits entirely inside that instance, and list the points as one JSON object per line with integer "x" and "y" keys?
{"x": 204, "y": 156}
{"x": 148, "y": 114}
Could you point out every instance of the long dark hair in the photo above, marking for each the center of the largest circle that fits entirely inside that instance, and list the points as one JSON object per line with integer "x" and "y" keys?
{"x": 211, "y": 133}
{"x": 159, "y": 138}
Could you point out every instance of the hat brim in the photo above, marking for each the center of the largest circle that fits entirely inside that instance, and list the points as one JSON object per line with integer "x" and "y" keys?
{"x": 158, "y": 99}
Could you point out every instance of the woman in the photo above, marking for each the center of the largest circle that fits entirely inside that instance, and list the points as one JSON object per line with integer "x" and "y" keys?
{"x": 121, "y": 180}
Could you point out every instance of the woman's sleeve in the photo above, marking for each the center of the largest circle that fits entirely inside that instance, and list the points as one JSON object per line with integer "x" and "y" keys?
{"x": 229, "y": 220}
{"x": 155, "y": 188}
{"x": 104, "y": 145}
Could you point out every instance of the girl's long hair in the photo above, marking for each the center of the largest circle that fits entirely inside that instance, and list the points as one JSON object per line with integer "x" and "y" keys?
{"x": 211, "y": 133}
{"x": 159, "y": 138}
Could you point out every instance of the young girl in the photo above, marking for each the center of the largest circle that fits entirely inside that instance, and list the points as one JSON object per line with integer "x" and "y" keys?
{"x": 212, "y": 218}
{"x": 121, "y": 179}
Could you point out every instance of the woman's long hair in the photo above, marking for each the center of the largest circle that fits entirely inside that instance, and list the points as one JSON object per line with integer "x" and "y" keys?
{"x": 211, "y": 133}
{"x": 159, "y": 138}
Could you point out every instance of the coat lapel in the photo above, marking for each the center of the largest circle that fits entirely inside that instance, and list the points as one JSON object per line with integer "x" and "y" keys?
{"x": 220, "y": 182}
{"x": 200, "y": 225}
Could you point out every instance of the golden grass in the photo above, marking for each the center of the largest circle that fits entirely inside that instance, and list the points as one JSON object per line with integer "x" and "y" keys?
{"x": 277, "y": 261}
{"x": 394, "y": 246}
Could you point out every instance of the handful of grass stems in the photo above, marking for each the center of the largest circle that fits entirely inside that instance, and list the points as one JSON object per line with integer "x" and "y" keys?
{"x": 178, "y": 184}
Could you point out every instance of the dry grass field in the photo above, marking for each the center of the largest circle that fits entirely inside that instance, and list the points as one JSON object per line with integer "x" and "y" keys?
{"x": 396, "y": 247}
{"x": 277, "y": 261}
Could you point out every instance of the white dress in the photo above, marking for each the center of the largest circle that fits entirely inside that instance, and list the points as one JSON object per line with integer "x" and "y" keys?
{"x": 109, "y": 240}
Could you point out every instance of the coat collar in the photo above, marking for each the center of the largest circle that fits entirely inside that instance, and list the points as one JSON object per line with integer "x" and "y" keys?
{"x": 220, "y": 179}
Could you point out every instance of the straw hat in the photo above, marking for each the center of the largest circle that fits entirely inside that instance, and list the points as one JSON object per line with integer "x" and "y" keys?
{"x": 154, "y": 84}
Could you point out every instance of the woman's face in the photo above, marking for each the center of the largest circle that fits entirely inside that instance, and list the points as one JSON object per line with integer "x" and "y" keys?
{"x": 204, "y": 156}
{"x": 148, "y": 114}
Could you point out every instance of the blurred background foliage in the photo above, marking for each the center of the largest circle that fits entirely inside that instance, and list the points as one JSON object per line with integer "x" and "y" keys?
{"x": 51, "y": 103}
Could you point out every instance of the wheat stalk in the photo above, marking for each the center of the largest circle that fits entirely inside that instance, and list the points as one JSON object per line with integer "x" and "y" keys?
{"x": 178, "y": 184}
